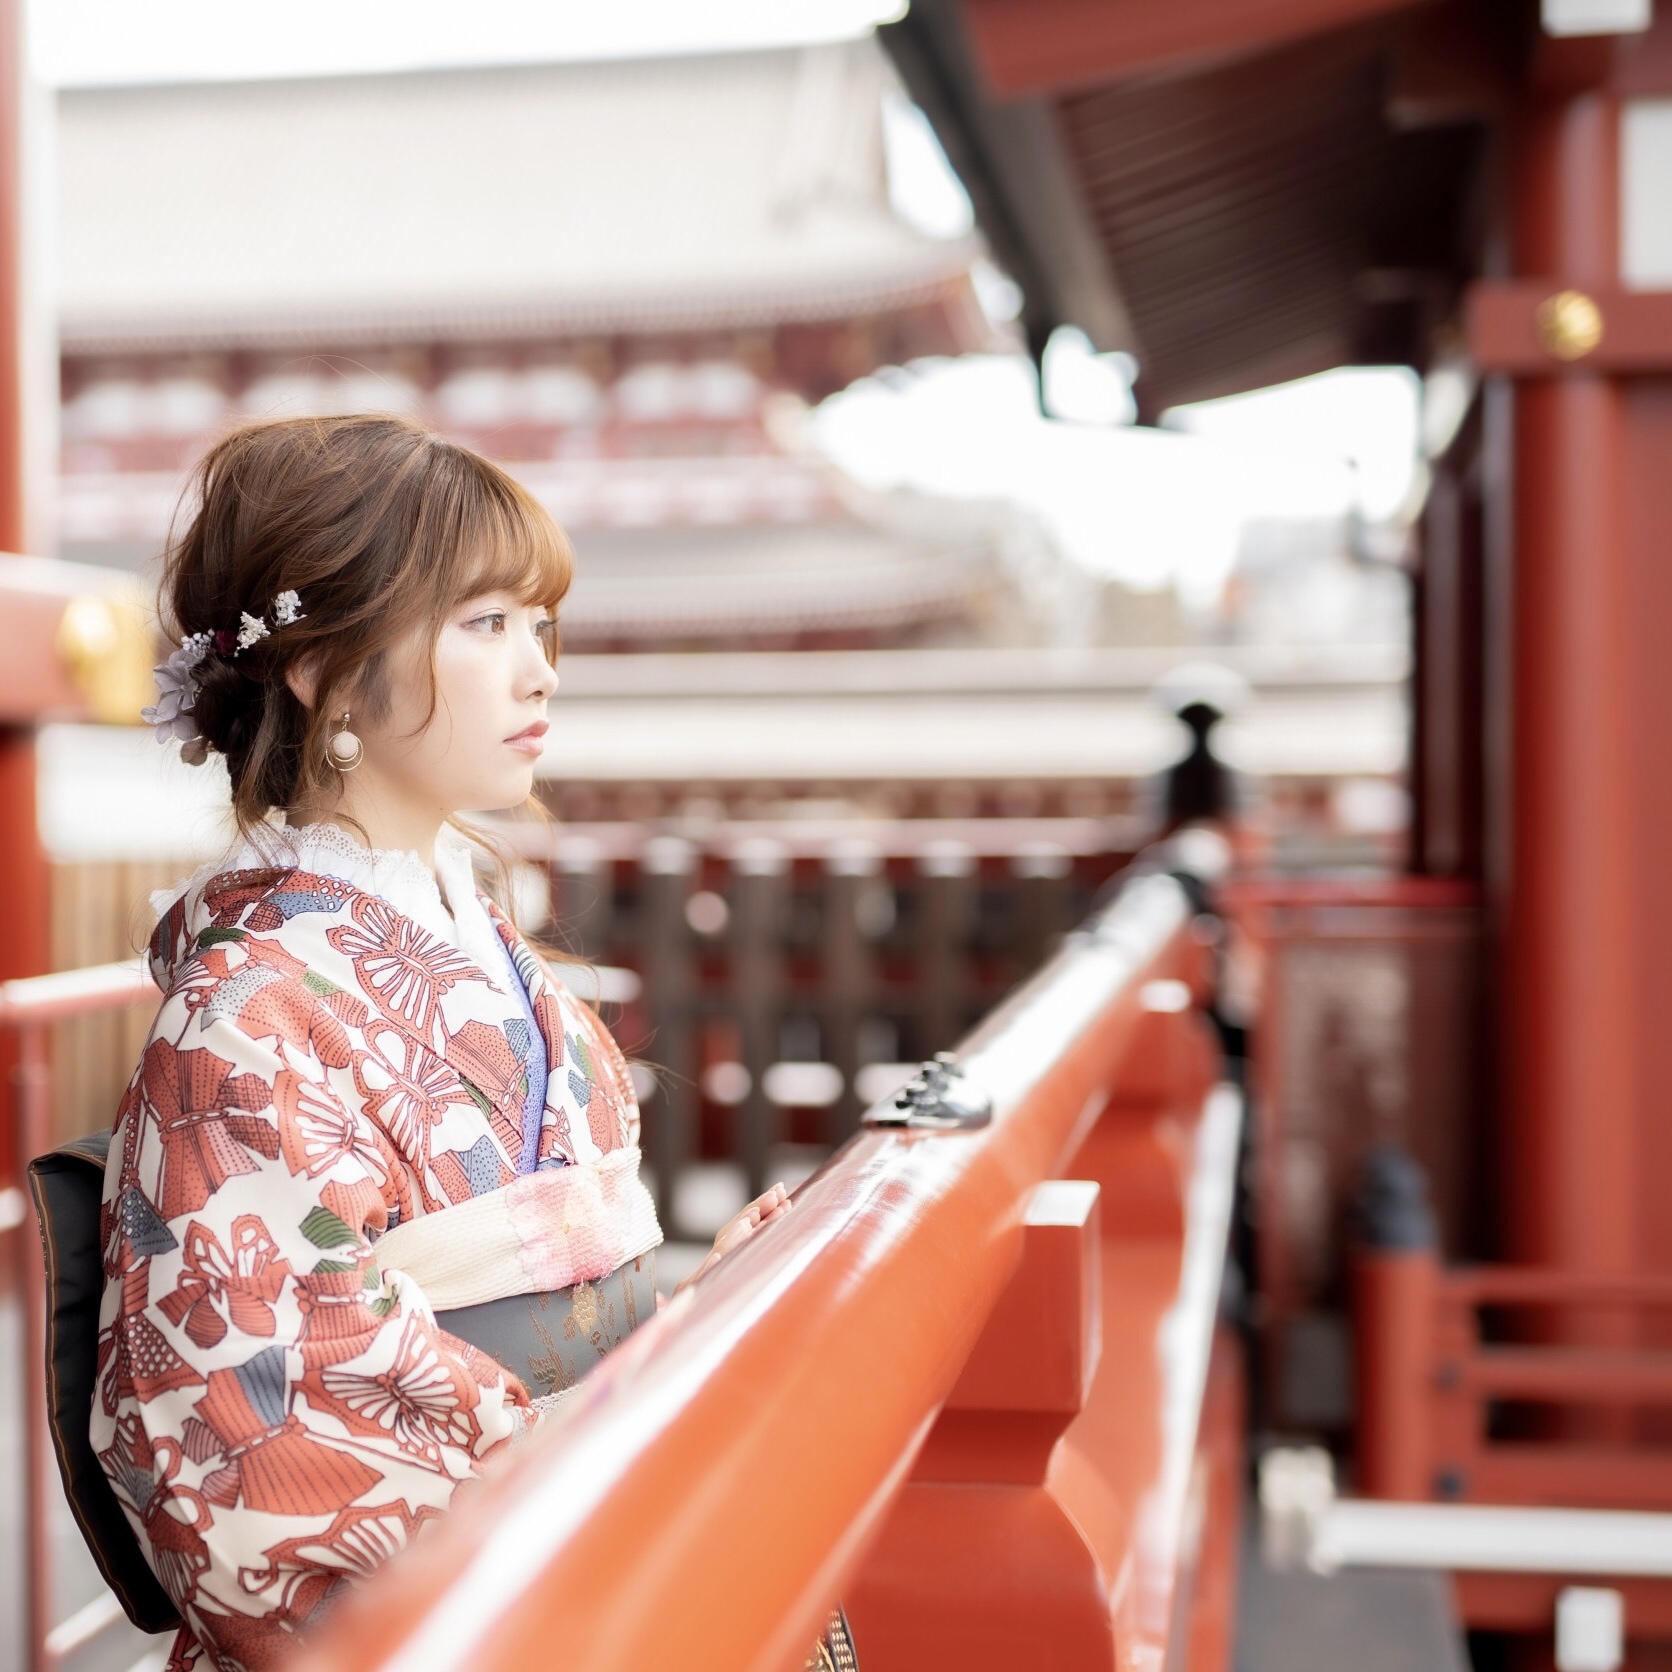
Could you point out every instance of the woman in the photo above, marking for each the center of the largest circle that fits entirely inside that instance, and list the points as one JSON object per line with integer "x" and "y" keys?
{"x": 364, "y": 1101}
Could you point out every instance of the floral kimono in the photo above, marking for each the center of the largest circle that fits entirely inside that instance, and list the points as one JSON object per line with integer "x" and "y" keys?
{"x": 339, "y": 1063}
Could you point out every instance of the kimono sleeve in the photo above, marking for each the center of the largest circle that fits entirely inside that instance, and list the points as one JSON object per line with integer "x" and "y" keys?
{"x": 276, "y": 1413}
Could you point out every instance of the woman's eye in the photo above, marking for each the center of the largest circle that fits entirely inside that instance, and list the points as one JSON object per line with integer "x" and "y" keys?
{"x": 547, "y": 629}
{"x": 492, "y": 622}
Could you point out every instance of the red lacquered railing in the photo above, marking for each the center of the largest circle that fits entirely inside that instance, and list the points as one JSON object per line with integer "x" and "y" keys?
{"x": 896, "y": 1395}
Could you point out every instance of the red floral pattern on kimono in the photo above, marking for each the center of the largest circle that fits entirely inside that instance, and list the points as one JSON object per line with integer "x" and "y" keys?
{"x": 278, "y": 1412}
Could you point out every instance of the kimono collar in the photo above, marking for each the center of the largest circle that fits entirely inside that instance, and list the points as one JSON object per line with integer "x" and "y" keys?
{"x": 445, "y": 902}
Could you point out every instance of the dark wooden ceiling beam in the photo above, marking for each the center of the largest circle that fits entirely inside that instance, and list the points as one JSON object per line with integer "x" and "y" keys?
{"x": 1030, "y": 47}
{"x": 1011, "y": 160}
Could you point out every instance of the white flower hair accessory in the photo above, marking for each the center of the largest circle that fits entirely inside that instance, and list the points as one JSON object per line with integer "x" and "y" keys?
{"x": 171, "y": 715}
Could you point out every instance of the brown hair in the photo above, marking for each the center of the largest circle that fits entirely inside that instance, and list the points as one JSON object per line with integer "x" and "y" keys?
{"x": 380, "y": 527}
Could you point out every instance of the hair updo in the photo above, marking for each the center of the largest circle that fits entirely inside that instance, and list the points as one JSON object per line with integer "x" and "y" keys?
{"x": 380, "y": 527}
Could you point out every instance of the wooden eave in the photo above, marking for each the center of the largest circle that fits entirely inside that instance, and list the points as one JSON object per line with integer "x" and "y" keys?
{"x": 1030, "y": 47}
{"x": 1288, "y": 196}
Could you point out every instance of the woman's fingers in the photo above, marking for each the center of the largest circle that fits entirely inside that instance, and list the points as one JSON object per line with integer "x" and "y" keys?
{"x": 768, "y": 1204}
{"x": 734, "y": 1235}
{"x": 743, "y": 1225}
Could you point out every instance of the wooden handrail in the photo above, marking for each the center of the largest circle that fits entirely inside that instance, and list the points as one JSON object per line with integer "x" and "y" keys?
{"x": 35, "y": 999}
{"x": 716, "y": 1484}
{"x": 1616, "y": 1375}
{"x": 1475, "y": 1286}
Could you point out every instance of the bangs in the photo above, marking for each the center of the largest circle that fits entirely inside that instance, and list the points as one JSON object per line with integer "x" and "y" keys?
{"x": 507, "y": 541}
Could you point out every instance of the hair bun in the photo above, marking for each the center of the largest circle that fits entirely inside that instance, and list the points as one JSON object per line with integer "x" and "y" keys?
{"x": 229, "y": 705}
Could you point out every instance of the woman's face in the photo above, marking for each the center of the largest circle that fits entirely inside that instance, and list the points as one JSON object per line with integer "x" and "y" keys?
{"x": 476, "y": 752}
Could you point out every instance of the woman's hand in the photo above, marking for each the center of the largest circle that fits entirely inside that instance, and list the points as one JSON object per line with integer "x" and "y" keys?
{"x": 737, "y": 1231}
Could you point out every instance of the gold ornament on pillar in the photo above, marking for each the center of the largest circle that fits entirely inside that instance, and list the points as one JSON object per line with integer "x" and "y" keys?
{"x": 105, "y": 642}
{"x": 345, "y": 751}
{"x": 1569, "y": 325}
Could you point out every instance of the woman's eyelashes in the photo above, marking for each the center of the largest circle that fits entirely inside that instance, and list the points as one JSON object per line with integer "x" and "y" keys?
{"x": 495, "y": 622}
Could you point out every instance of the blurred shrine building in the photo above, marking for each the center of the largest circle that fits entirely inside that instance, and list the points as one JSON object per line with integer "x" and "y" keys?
{"x": 630, "y": 281}
{"x": 624, "y": 279}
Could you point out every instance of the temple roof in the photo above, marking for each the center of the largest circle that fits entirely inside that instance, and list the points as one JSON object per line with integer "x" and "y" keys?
{"x": 642, "y": 195}
{"x": 842, "y": 575}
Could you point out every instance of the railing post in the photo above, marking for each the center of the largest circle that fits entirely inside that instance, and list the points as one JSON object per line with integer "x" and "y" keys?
{"x": 1041, "y": 871}
{"x": 759, "y": 868}
{"x": 848, "y": 975}
{"x": 1396, "y": 1278}
{"x": 585, "y": 896}
{"x": 667, "y": 867}
{"x": 980, "y": 1564}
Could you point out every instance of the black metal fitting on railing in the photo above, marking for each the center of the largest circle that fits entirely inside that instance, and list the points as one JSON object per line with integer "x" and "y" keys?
{"x": 940, "y": 1098}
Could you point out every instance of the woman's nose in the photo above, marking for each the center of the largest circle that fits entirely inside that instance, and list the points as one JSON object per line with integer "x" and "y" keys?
{"x": 538, "y": 674}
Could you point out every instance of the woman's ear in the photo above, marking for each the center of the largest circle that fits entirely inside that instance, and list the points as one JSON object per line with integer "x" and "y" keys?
{"x": 302, "y": 676}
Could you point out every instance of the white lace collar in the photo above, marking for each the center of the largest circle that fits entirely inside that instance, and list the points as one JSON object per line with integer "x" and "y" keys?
{"x": 329, "y": 850}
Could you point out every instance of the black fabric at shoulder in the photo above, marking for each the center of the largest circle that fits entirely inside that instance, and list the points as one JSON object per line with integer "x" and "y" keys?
{"x": 67, "y": 1184}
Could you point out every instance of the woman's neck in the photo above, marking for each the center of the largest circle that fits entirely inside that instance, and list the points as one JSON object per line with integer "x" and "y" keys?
{"x": 373, "y": 815}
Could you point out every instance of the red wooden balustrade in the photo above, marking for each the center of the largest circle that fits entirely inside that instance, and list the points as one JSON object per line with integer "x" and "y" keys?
{"x": 1431, "y": 1378}
{"x": 1584, "y": 1359}
{"x": 998, "y": 1421}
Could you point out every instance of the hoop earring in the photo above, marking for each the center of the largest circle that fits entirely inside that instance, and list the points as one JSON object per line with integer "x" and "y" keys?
{"x": 345, "y": 751}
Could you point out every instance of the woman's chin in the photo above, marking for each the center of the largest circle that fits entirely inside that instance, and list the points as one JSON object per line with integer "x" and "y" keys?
{"x": 506, "y": 795}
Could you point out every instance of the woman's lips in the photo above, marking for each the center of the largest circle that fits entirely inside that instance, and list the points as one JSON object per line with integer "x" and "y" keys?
{"x": 532, "y": 741}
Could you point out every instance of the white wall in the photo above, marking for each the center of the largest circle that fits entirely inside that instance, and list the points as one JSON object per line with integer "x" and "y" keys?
{"x": 1646, "y": 195}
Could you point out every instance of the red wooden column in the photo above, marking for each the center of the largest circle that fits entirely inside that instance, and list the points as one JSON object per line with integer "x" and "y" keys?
{"x": 24, "y": 928}
{"x": 1587, "y": 912}
{"x": 1572, "y": 1058}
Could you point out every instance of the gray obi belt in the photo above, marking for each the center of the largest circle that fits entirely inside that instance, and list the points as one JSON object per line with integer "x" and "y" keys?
{"x": 513, "y": 1272}
{"x": 551, "y": 1340}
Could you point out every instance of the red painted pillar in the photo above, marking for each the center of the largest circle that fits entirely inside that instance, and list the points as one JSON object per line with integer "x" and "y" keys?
{"x": 12, "y": 509}
{"x": 1573, "y": 930}
{"x": 24, "y": 925}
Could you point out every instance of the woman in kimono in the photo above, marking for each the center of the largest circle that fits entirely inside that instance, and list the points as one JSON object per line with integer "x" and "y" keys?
{"x": 373, "y": 1197}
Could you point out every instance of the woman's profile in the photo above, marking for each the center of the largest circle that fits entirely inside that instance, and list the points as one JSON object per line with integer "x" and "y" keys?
{"x": 373, "y": 1196}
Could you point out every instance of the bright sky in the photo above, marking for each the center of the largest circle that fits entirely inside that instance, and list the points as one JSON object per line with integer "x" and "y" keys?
{"x": 1145, "y": 505}
{"x": 1141, "y": 504}
{"x": 76, "y": 42}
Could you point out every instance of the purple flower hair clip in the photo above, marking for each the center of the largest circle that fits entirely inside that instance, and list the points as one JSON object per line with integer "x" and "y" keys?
{"x": 171, "y": 715}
